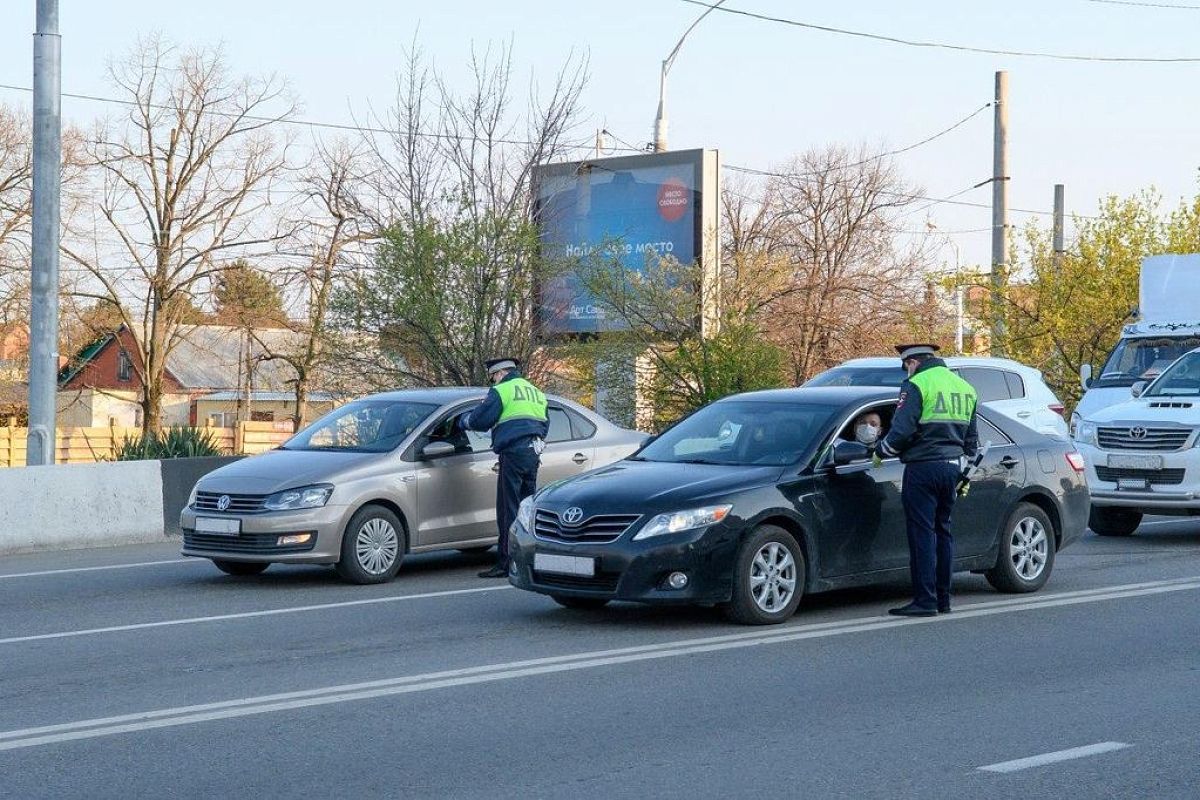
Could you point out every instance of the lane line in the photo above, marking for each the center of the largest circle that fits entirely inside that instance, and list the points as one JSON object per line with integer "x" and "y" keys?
{"x": 99, "y": 568}
{"x": 329, "y": 695}
{"x": 1055, "y": 757}
{"x": 270, "y": 612}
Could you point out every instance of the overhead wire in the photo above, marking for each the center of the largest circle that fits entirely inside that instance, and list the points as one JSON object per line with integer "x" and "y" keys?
{"x": 1171, "y": 6}
{"x": 945, "y": 45}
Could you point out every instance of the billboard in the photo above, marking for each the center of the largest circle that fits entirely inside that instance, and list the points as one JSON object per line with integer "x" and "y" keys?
{"x": 623, "y": 211}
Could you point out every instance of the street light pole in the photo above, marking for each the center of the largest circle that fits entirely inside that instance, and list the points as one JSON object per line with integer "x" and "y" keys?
{"x": 660, "y": 120}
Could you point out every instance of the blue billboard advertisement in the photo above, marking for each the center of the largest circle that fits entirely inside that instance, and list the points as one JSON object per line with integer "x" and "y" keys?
{"x": 626, "y": 212}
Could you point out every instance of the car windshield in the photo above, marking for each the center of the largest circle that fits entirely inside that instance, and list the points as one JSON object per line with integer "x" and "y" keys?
{"x": 1181, "y": 378}
{"x": 1136, "y": 360}
{"x": 742, "y": 432}
{"x": 861, "y": 376}
{"x": 364, "y": 426}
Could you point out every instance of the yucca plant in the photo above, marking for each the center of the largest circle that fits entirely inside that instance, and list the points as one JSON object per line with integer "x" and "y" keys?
{"x": 174, "y": 442}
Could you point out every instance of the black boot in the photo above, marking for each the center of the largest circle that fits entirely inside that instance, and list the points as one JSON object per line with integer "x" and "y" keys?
{"x": 498, "y": 571}
{"x": 913, "y": 610}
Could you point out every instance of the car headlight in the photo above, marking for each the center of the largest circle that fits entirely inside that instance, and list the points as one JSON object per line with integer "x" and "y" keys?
{"x": 192, "y": 497}
{"x": 525, "y": 514}
{"x": 1085, "y": 433}
{"x": 683, "y": 521}
{"x": 1075, "y": 420}
{"x": 304, "y": 497}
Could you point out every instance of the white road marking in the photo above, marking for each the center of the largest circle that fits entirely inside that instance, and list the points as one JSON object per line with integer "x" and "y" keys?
{"x": 270, "y": 612}
{"x": 329, "y": 695}
{"x": 99, "y": 568}
{"x": 1055, "y": 757}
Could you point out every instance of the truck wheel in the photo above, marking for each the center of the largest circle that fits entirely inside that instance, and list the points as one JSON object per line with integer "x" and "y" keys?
{"x": 240, "y": 567}
{"x": 768, "y": 578}
{"x": 372, "y": 546}
{"x": 1105, "y": 521}
{"x": 1026, "y": 552}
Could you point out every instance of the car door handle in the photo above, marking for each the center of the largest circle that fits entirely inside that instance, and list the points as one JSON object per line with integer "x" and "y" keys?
{"x": 1024, "y": 414}
{"x": 496, "y": 467}
{"x": 1008, "y": 462}
{"x": 579, "y": 458}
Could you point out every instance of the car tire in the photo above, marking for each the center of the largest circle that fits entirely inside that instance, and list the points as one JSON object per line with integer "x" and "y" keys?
{"x": 768, "y": 578}
{"x": 240, "y": 567}
{"x": 1027, "y": 549}
{"x": 580, "y": 603}
{"x": 1114, "y": 521}
{"x": 373, "y": 546}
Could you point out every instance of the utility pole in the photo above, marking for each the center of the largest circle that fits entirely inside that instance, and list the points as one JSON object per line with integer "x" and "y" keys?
{"x": 1059, "y": 212}
{"x": 47, "y": 160}
{"x": 999, "y": 211}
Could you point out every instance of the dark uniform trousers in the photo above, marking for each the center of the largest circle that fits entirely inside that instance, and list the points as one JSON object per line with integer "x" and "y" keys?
{"x": 929, "y": 491}
{"x": 518, "y": 480}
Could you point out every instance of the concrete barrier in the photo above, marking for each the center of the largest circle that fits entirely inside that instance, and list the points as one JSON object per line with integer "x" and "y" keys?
{"x": 95, "y": 505}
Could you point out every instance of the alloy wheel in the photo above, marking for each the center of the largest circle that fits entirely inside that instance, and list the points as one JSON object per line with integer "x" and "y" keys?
{"x": 376, "y": 546}
{"x": 1029, "y": 548}
{"x": 772, "y": 577}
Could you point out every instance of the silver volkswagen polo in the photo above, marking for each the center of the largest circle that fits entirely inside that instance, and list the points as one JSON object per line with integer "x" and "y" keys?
{"x": 380, "y": 477}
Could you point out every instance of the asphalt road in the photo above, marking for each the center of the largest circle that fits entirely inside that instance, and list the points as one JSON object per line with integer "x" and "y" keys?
{"x": 127, "y": 672}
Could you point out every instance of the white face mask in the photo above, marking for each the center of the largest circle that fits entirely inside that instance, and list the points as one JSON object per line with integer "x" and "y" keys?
{"x": 866, "y": 434}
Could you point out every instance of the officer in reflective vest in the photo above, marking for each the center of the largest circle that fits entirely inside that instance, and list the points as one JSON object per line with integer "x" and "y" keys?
{"x": 932, "y": 432}
{"x": 515, "y": 412}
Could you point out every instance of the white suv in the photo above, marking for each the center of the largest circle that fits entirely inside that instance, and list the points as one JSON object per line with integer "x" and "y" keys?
{"x": 1007, "y": 387}
{"x": 1143, "y": 455}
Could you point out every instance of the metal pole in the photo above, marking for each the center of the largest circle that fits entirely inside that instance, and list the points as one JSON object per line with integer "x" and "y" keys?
{"x": 999, "y": 211}
{"x": 1059, "y": 213}
{"x": 47, "y": 159}
{"x": 660, "y": 119}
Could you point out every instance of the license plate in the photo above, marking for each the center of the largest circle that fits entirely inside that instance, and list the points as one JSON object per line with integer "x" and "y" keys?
{"x": 564, "y": 565}
{"x": 1140, "y": 484}
{"x": 1134, "y": 462}
{"x": 225, "y": 527}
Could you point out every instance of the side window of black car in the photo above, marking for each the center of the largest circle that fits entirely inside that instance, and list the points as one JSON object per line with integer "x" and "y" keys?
{"x": 989, "y": 384}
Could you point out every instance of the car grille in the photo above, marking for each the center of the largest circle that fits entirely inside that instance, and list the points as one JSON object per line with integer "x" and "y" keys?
{"x": 1155, "y": 477}
{"x": 603, "y": 582}
{"x": 1144, "y": 439}
{"x": 600, "y": 529}
{"x": 238, "y": 503}
{"x": 251, "y": 543}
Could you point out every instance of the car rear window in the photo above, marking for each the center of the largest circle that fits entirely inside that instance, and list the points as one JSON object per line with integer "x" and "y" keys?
{"x": 560, "y": 425}
{"x": 583, "y": 427}
{"x": 1016, "y": 385}
{"x": 989, "y": 384}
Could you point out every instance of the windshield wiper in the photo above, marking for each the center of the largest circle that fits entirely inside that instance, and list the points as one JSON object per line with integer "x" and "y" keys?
{"x": 698, "y": 461}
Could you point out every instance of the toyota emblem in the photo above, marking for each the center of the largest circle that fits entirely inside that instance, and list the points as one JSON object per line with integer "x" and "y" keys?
{"x": 1137, "y": 433}
{"x": 223, "y": 503}
{"x": 572, "y": 515}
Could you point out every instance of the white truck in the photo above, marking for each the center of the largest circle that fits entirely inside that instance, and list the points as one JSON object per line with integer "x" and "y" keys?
{"x": 1168, "y": 326}
{"x": 1141, "y": 438}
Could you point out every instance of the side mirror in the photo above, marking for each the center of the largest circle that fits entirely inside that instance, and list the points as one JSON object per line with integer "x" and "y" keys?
{"x": 437, "y": 450}
{"x": 845, "y": 453}
{"x": 1138, "y": 389}
{"x": 1085, "y": 376}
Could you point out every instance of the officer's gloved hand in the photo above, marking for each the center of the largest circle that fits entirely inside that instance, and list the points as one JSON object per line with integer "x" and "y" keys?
{"x": 963, "y": 488}
{"x": 876, "y": 460}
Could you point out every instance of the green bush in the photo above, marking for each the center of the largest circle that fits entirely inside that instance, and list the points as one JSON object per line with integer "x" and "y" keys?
{"x": 173, "y": 442}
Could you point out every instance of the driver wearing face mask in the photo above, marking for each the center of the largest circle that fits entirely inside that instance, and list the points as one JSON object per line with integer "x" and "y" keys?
{"x": 868, "y": 428}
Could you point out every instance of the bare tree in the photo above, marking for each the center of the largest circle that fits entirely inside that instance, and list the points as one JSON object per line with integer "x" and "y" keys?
{"x": 817, "y": 254}
{"x": 182, "y": 183}
{"x": 454, "y": 280}
{"x": 16, "y": 206}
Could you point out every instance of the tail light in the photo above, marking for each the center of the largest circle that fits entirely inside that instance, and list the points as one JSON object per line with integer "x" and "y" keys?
{"x": 1076, "y": 461}
{"x": 1059, "y": 409}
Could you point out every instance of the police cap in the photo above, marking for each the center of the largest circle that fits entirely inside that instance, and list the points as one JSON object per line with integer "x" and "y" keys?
{"x": 495, "y": 365}
{"x": 908, "y": 351}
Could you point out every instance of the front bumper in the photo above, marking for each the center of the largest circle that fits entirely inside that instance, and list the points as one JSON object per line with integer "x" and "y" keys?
{"x": 1163, "y": 493}
{"x": 260, "y": 532}
{"x": 634, "y": 570}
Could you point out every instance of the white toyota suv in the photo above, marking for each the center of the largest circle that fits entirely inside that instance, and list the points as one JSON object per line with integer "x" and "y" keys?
{"x": 1143, "y": 455}
{"x": 1007, "y": 387}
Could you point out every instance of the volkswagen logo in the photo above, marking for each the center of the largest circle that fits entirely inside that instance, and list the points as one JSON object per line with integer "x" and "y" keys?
{"x": 1137, "y": 433}
{"x": 223, "y": 503}
{"x": 572, "y": 515}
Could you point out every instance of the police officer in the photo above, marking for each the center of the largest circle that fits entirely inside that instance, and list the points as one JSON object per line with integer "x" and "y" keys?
{"x": 515, "y": 412}
{"x": 932, "y": 432}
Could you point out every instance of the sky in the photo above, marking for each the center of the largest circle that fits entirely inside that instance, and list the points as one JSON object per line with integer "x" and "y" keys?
{"x": 758, "y": 91}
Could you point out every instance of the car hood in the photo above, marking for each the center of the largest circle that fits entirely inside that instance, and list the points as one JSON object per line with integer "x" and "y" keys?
{"x": 652, "y": 487}
{"x": 1149, "y": 411}
{"x": 277, "y": 470}
{"x": 1096, "y": 400}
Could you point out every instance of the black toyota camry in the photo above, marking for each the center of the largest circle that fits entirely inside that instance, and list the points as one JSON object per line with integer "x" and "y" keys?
{"x": 757, "y": 499}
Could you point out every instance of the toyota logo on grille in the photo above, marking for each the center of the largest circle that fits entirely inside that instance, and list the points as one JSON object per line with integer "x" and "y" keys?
{"x": 1137, "y": 433}
{"x": 223, "y": 503}
{"x": 572, "y": 515}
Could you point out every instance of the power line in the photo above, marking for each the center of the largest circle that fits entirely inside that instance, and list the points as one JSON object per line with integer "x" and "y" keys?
{"x": 1172, "y": 6}
{"x": 944, "y": 45}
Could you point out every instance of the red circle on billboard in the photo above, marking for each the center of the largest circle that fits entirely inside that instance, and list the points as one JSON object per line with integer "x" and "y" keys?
{"x": 673, "y": 199}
